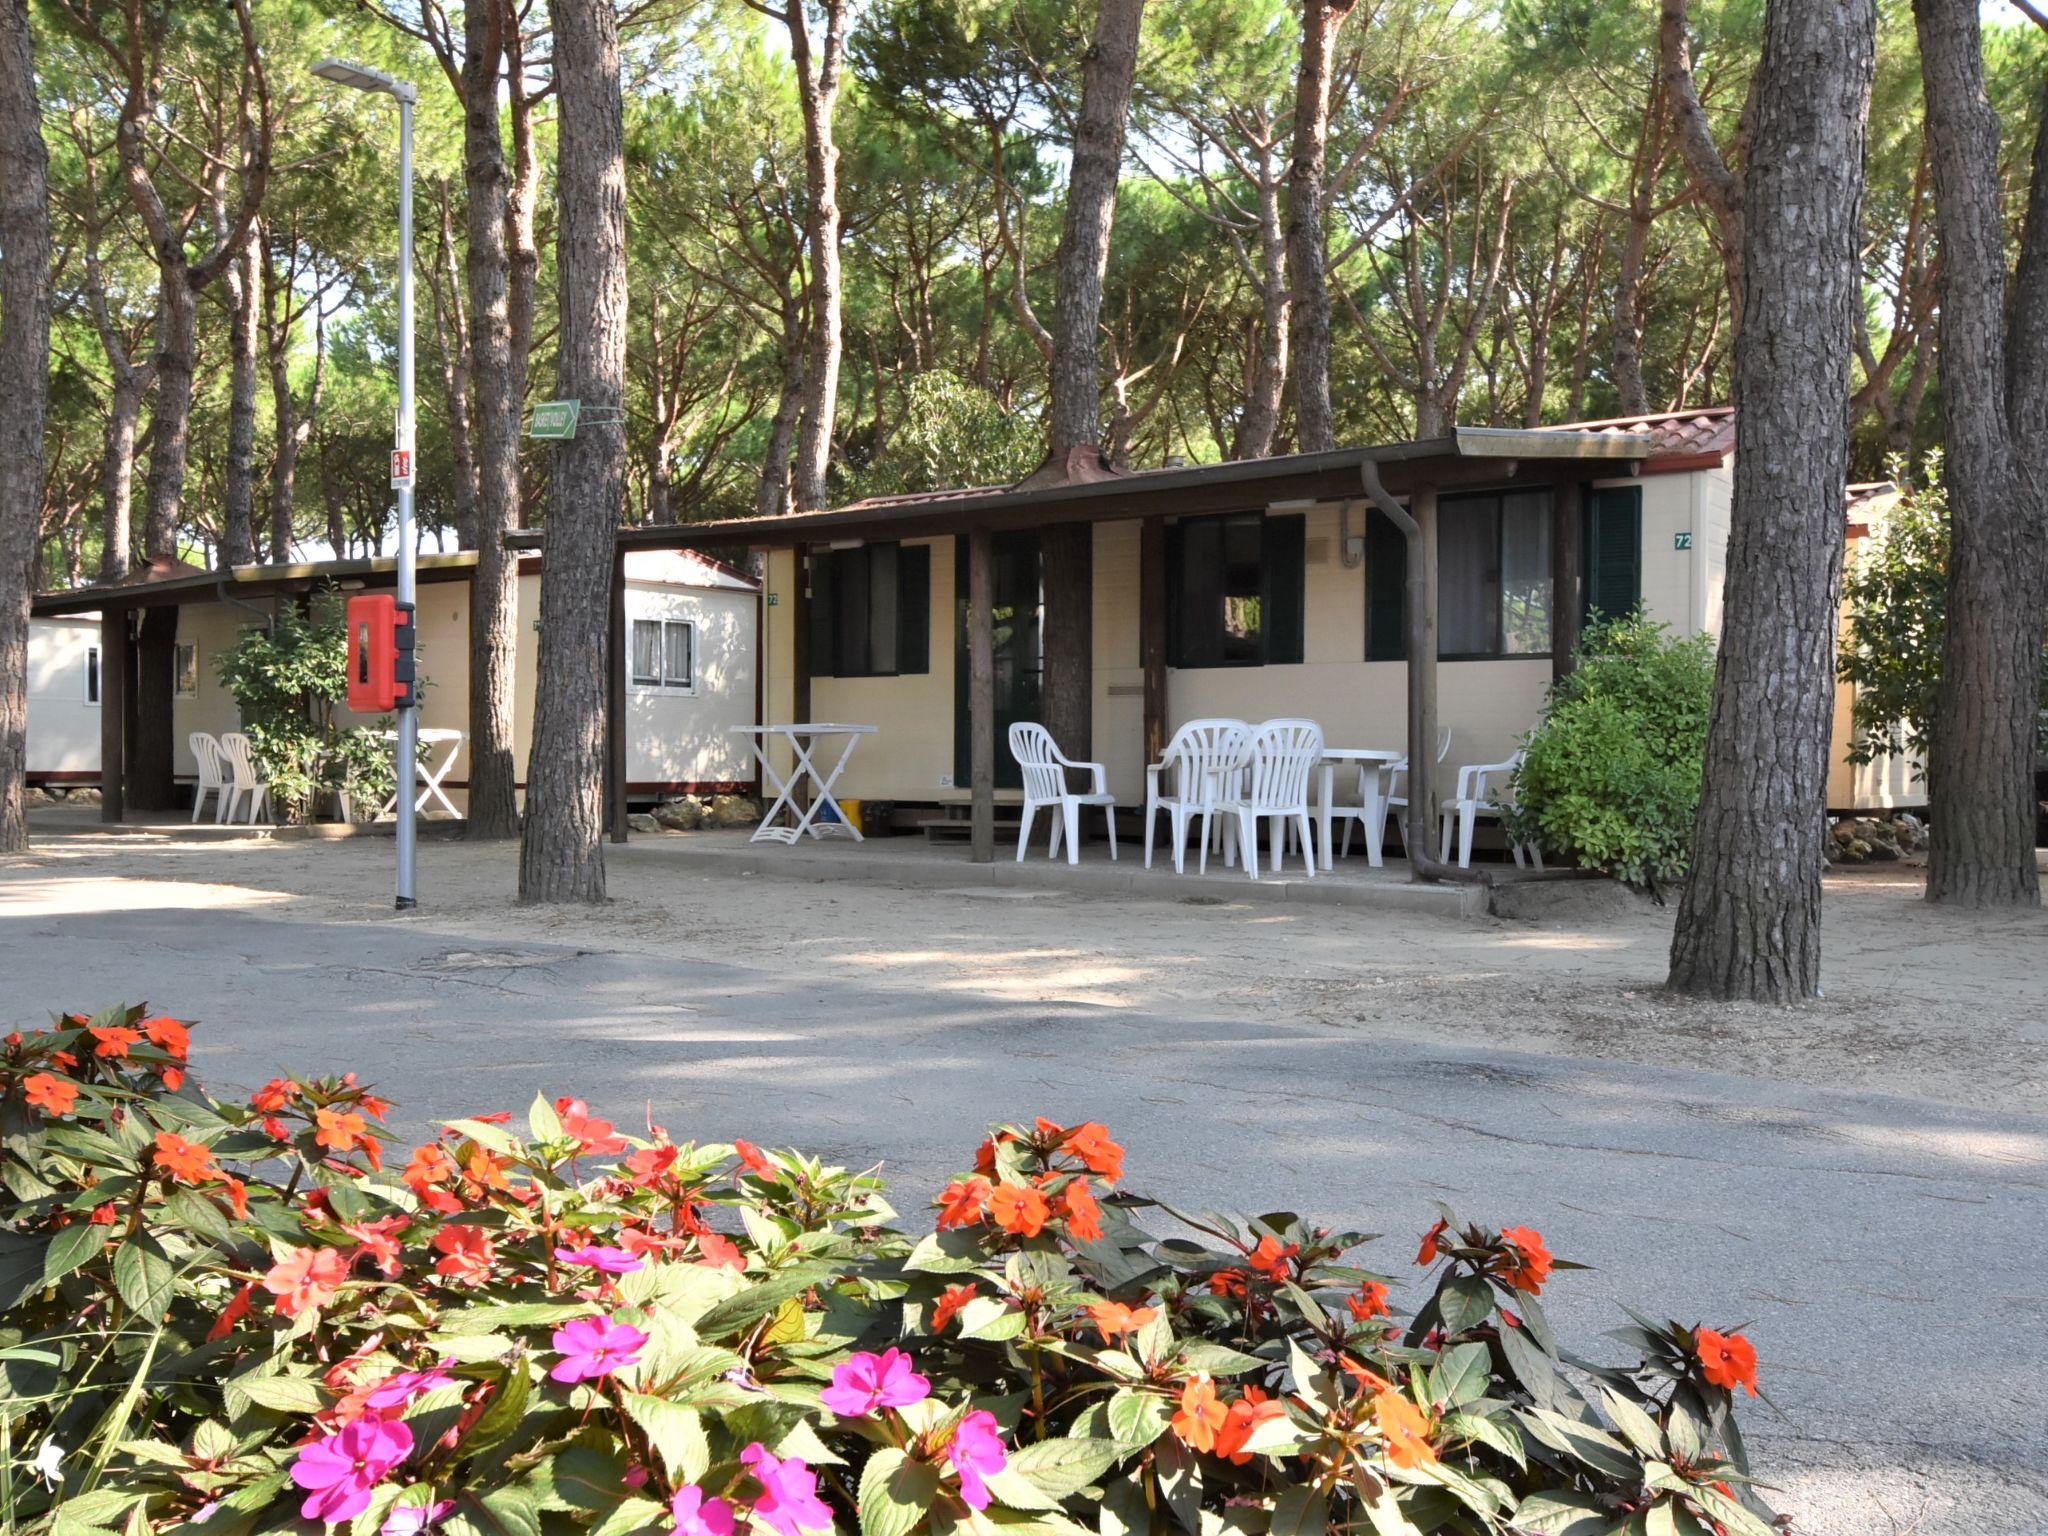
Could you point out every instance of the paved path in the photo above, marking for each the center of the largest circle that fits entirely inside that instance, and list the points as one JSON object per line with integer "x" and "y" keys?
{"x": 1888, "y": 1255}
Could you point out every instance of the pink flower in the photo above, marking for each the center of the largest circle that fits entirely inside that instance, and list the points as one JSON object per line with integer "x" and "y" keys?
{"x": 789, "y": 1493}
{"x": 976, "y": 1450}
{"x": 867, "y": 1382}
{"x": 397, "y": 1390}
{"x": 695, "y": 1515}
{"x": 415, "y": 1519}
{"x": 612, "y": 1261}
{"x": 595, "y": 1346}
{"x": 339, "y": 1471}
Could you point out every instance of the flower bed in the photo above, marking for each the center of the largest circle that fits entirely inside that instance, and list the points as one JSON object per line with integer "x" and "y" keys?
{"x": 244, "y": 1316}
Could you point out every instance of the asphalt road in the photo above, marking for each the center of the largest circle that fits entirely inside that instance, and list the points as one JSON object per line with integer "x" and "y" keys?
{"x": 1887, "y": 1255}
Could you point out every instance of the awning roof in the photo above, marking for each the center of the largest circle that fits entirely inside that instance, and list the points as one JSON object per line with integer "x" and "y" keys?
{"x": 249, "y": 581}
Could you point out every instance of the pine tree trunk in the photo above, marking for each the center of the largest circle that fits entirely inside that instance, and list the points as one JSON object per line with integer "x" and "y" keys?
{"x": 171, "y": 420}
{"x": 1628, "y": 311}
{"x": 1307, "y": 260}
{"x": 561, "y": 856}
{"x": 1261, "y": 420}
{"x": 1749, "y": 925}
{"x": 1106, "y": 74}
{"x": 493, "y": 810}
{"x": 117, "y": 471}
{"x": 238, "y": 519}
{"x": 24, "y": 385}
{"x": 1982, "y": 760}
{"x": 771, "y": 491}
{"x": 818, "y": 88}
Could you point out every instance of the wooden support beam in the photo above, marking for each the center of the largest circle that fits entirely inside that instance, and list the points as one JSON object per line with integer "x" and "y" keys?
{"x": 800, "y": 641}
{"x": 981, "y": 695}
{"x": 1152, "y": 631}
{"x": 1568, "y": 575}
{"x": 1419, "y": 831}
{"x": 615, "y": 704}
{"x": 114, "y": 691}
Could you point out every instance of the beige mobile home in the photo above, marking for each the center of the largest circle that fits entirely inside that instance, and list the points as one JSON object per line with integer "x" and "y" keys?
{"x": 64, "y": 700}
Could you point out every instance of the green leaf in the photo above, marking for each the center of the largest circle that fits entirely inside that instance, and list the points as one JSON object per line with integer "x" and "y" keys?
{"x": 189, "y": 1209}
{"x": 1499, "y": 1434}
{"x": 634, "y": 1513}
{"x": 952, "y": 1252}
{"x": 757, "y": 1301}
{"x": 1562, "y": 1514}
{"x": 285, "y": 1394}
{"x": 71, "y": 1247}
{"x": 895, "y": 1493}
{"x": 1583, "y": 1442}
{"x": 1218, "y": 1359}
{"x": 1640, "y": 1429}
{"x": 1464, "y": 1303}
{"x": 1064, "y": 1467}
{"x": 1532, "y": 1367}
{"x": 23, "y": 1260}
{"x": 590, "y": 1477}
{"x": 675, "y": 1432}
{"x": 489, "y": 1137}
{"x": 144, "y": 1276}
{"x": 542, "y": 1120}
{"x": 1301, "y": 1510}
{"x": 503, "y": 1412}
{"x": 1136, "y": 1419}
{"x": 511, "y": 1315}
{"x": 1462, "y": 1373}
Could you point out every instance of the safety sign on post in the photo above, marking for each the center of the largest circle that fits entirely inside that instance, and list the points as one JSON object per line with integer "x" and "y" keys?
{"x": 401, "y": 468}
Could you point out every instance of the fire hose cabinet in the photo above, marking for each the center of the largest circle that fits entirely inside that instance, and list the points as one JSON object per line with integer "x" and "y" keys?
{"x": 380, "y": 654}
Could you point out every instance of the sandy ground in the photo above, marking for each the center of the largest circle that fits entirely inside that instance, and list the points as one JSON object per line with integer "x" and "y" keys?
{"x": 1866, "y": 1177}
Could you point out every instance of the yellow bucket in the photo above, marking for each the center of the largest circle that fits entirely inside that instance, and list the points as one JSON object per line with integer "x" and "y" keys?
{"x": 850, "y": 809}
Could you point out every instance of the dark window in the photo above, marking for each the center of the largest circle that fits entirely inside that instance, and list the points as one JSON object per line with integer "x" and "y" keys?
{"x": 1614, "y": 550}
{"x": 871, "y": 610}
{"x": 1234, "y": 590}
{"x": 1494, "y": 580}
{"x": 662, "y": 653}
{"x": 92, "y": 674}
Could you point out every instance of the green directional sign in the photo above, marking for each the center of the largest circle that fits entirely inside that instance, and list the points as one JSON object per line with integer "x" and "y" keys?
{"x": 554, "y": 420}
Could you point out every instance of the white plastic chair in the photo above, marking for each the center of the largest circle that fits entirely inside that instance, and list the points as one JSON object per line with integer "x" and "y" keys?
{"x": 1281, "y": 758}
{"x": 241, "y": 779}
{"x": 1202, "y": 761}
{"x": 1473, "y": 800}
{"x": 1397, "y": 790}
{"x": 212, "y": 774}
{"x": 1045, "y": 784}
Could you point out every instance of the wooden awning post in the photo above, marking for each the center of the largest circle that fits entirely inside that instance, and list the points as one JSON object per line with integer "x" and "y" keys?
{"x": 615, "y": 704}
{"x": 113, "y": 714}
{"x": 1567, "y": 576}
{"x": 981, "y": 696}
{"x": 1152, "y": 631}
{"x": 1419, "y": 832}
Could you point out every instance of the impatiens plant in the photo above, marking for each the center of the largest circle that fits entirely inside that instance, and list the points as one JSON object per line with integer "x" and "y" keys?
{"x": 255, "y": 1316}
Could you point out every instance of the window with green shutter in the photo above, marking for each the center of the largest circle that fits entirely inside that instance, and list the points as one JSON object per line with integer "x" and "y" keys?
{"x": 871, "y": 611}
{"x": 1494, "y": 579}
{"x": 1234, "y": 589}
{"x": 1614, "y": 550}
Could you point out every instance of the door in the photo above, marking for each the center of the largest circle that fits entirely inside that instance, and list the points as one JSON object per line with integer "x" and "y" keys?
{"x": 1014, "y": 595}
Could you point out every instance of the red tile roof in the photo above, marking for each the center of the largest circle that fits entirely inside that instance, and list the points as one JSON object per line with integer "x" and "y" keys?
{"x": 1682, "y": 439}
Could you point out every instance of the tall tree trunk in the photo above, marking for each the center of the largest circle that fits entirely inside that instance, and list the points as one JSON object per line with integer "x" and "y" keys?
{"x": 771, "y": 491}
{"x": 1307, "y": 258}
{"x": 170, "y": 422}
{"x": 238, "y": 520}
{"x": 117, "y": 469}
{"x": 1981, "y": 763}
{"x": 451, "y": 335}
{"x": 561, "y": 855}
{"x": 1719, "y": 183}
{"x": 818, "y": 91}
{"x": 293, "y": 426}
{"x": 521, "y": 193}
{"x": 1261, "y": 420}
{"x": 493, "y": 810}
{"x": 1749, "y": 925}
{"x": 25, "y": 386}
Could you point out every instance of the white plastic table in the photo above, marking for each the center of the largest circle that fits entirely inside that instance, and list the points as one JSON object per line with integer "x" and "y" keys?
{"x": 1375, "y": 760}
{"x": 804, "y": 742}
{"x": 429, "y": 775}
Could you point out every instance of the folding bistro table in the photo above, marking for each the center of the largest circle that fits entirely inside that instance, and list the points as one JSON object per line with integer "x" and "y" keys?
{"x": 1374, "y": 761}
{"x": 804, "y": 744}
{"x": 429, "y": 776}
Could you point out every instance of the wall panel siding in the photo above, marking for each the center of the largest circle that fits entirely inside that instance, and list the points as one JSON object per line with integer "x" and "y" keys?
{"x": 63, "y": 728}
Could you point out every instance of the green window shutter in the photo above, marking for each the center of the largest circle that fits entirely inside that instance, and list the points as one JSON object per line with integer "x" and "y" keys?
{"x": 824, "y": 617}
{"x": 1386, "y": 588}
{"x": 914, "y": 608}
{"x": 1283, "y": 547}
{"x": 1614, "y": 551}
{"x": 1176, "y": 559}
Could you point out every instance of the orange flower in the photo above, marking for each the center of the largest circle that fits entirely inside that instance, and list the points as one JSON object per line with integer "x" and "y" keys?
{"x": 1102, "y": 1157}
{"x": 238, "y": 1197}
{"x": 961, "y": 1202}
{"x": 430, "y": 1164}
{"x": 1200, "y": 1415}
{"x": 372, "y": 1106}
{"x": 168, "y": 1036}
{"x": 112, "y": 1040}
{"x": 651, "y": 1163}
{"x": 1529, "y": 1263}
{"x": 339, "y": 1130}
{"x": 1246, "y": 1415}
{"x": 274, "y": 1095}
{"x": 1019, "y": 1208}
{"x": 1372, "y": 1381}
{"x": 719, "y": 1252}
{"x": 306, "y": 1277}
{"x": 750, "y": 1155}
{"x": 52, "y": 1095}
{"x": 948, "y": 1306}
{"x": 231, "y": 1314}
{"x": 985, "y": 1156}
{"x": 1270, "y": 1259}
{"x": 1728, "y": 1360}
{"x": 173, "y": 1078}
{"x": 467, "y": 1254}
{"x": 484, "y": 1171}
{"x": 1429, "y": 1250}
{"x": 184, "y": 1160}
{"x": 1403, "y": 1430}
{"x": 1369, "y": 1303}
{"x": 380, "y": 1242}
{"x": 1084, "y": 1216}
{"x": 1229, "y": 1282}
{"x": 1113, "y": 1319}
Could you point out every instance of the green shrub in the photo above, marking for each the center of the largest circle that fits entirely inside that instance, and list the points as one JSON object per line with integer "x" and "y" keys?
{"x": 1612, "y": 776}
{"x": 245, "y": 1316}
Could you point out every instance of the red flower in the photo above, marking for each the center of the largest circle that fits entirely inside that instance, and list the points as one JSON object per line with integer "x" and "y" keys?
{"x": 168, "y": 1036}
{"x": 1200, "y": 1416}
{"x": 1229, "y": 1282}
{"x": 1102, "y": 1157}
{"x": 719, "y": 1252}
{"x": 592, "y": 1135}
{"x": 1019, "y": 1208}
{"x": 52, "y": 1095}
{"x": 429, "y": 1164}
{"x": 112, "y": 1040}
{"x": 232, "y": 1313}
{"x": 104, "y": 1215}
{"x": 1083, "y": 1215}
{"x": 1369, "y": 1303}
{"x": 1371, "y": 1380}
{"x": 274, "y": 1095}
{"x": 1114, "y": 1320}
{"x": 948, "y": 1306}
{"x": 467, "y": 1254}
{"x": 380, "y": 1242}
{"x": 651, "y": 1163}
{"x": 276, "y": 1129}
{"x": 173, "y": 1078}
{"x": 961, "y": 1202}
{"x": 1429, "y": 1250}
{"x": 339, "y": 1130}
{"x": 238, "y": 1196}
{"x": 306, "y": 1277}
{"x": 1270, "y": 1259}
{"x": 750, "y": 1155}
{"x": 183, "y": 1160}
{"x": 1527, "y": 1264}
{"x": 1727, "y": 1360}
{"x": 1246, "y": 1415}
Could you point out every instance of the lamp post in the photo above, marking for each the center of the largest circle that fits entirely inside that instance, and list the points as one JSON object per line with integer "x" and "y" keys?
{"x": 361, "y": 78}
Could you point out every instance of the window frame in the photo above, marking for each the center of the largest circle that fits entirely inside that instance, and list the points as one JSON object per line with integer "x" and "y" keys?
{"x": 1388, "y": 546}
{"x": 1282, "y": 542}
{"x": 663, "y": 687}
{"x": 95, "y": 675}
{"x": 841, "y": 614}
{"x": 178, "y": 652}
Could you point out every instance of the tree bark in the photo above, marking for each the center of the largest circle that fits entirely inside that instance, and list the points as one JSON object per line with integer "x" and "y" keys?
{"x": 1261, "y": 420}
{"x": 1307, "y": 257}
{"x": 293, "y": 426}
{"x": 1981, "y": 765}
{"x": 818, "y": 92}
{"x": 117, "y": 469}
{"x": 25, "y": 386}
{"x": 238, "y": 517}
{"x": 1749, "y": 925}
{"x": 1719, "y": 184}
{"x": 561, "y": 855}
{"x": 493, "y": 810}
{"x": 1107, "y": 71}
{"x": 451, "y": 333}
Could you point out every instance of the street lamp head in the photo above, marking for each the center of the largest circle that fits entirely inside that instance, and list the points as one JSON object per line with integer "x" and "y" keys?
{"x": 360, "y": 77}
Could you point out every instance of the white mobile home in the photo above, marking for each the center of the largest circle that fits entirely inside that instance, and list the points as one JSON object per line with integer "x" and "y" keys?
{"x": 64, "y": 700}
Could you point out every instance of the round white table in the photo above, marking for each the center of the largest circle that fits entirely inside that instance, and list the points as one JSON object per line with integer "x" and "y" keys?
{"x": 1375, "y": 761}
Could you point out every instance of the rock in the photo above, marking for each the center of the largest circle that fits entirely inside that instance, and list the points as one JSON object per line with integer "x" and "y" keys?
{"x": 36, "y": 795}
{"x": 639, "y": 821}
{"x": 732, "y": 811}
{"x": 1855, "y": 851}
{"x": 682, "y": 815}
{"x": 86, "y": 796}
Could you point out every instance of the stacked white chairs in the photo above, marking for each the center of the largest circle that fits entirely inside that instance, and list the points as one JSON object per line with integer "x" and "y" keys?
{"x": 241, "y": 779}
{"x": 1280, "y": 758}
{"x": 213, "y": 775}
{"x": 1045, "y": 786}
{"x": 1197, "y": 771}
